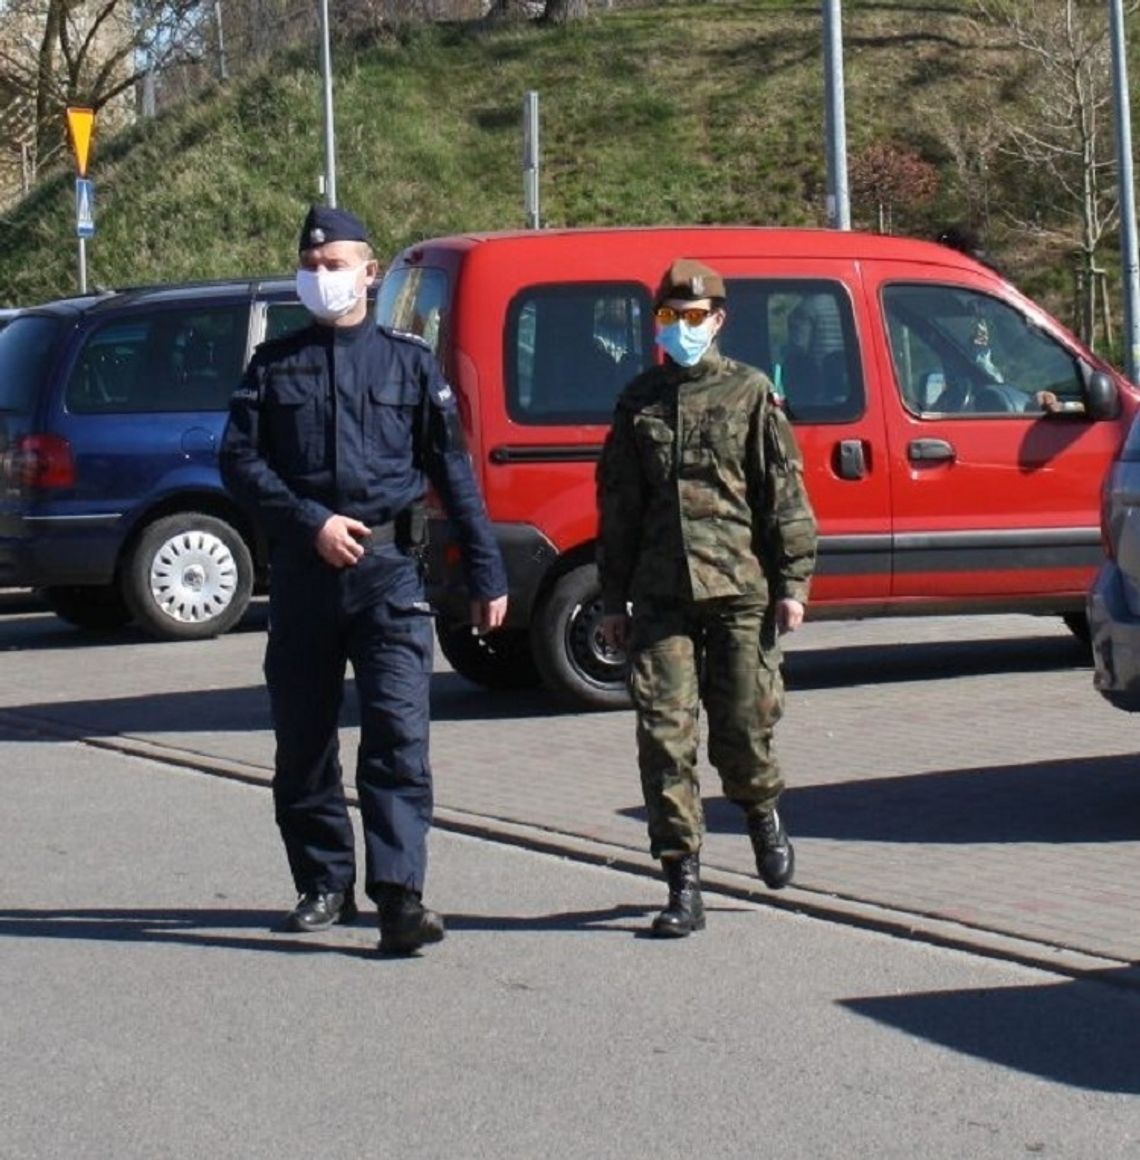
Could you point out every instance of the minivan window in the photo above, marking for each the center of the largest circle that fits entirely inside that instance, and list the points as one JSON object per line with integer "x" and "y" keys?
{"x": 956, "y": 351}
{"x": 26, "y": 348}
{"x": 571, "y": 348}
{"x": 170, "y": 360}
{"x": 414, "y": 300}
{"x": 801, "y": 333}
{"x": 283, "y": 318}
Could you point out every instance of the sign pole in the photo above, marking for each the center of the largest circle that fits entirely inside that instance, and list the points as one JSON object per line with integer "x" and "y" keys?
{"x": 80, "y": 124}
{"x": 1129, "y": 247}
{"x": 835, "y": 117}
{"x": 330, "y": 129}
{"x": 531, "y": 156}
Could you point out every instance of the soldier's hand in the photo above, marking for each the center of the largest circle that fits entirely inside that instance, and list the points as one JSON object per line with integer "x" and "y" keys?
{"x": 789, "y": 615}
{"x": 339, "y": 541}
{"x": 615, "y": 630}
{"x": 488, "y": 614}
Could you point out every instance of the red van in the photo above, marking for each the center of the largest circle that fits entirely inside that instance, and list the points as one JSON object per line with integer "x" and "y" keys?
{"x": 954, "y": 435}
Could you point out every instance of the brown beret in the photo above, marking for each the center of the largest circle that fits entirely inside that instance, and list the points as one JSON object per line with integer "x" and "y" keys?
{"x": 689, "y": 279}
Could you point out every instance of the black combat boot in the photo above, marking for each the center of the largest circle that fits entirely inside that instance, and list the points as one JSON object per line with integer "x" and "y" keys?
{"x": 686, "y": 910}
{"x": 405, "y": 923}
{"x": 775, "y": 855}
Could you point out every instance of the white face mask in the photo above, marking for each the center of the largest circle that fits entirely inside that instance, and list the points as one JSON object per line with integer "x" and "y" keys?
{"x": 329, "y": 294}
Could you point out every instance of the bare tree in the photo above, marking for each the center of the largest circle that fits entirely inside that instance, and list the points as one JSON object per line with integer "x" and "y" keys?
{"x": 1061, "y": 129}
{"x": 62, "y": 53}
{"x": 891, "y": 177}
{"x": 972, "y": 142}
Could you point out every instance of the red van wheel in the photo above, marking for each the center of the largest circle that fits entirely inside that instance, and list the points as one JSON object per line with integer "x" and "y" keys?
{"x": 568, "y": 648}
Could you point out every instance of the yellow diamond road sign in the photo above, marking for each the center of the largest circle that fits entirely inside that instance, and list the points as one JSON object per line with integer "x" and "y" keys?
{"x": 80, "y": 123}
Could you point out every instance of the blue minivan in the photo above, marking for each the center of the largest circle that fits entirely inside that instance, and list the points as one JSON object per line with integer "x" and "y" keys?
{"x": 111, "y": 410}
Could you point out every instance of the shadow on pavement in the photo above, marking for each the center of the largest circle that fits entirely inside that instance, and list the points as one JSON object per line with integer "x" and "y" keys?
{"x": 202, "y": 927}
{"x": 198, "y": 711}
{"x": 453, "y": 698}
{"x": 612, "y": 919}
{"x": 873, "y": 664}
{"x": 1080, "y": 1033}
{"x": 1081, "y": 800}
{"x": 179, "y": 927}
{"x": 1093, "y": 799}
{"x": 44, "y": 631}
{"x": 246, "y": 709}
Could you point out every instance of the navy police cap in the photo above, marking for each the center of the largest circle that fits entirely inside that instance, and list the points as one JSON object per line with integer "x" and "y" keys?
{"x": 327, "y": 223}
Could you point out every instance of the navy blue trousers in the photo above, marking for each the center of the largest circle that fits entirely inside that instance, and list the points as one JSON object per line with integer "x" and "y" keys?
{"x": 320, "y": 619}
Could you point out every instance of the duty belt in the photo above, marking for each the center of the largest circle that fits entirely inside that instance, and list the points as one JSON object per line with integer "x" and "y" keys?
{"x": 406, "y": 531}
{"x": 380, "y": 536}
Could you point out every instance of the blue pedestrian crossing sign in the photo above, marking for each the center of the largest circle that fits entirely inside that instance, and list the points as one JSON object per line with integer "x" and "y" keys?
{"x": 84, "y": 207}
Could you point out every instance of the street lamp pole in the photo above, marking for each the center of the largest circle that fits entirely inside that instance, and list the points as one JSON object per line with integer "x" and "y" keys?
{"x": 1130, "y": 264}
{"x": 330, "y": 139}
{"x": 835, "y": 117}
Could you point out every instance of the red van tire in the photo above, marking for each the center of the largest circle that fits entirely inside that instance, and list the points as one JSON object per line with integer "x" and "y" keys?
{"x": 188, "y": 577}
{"x": 566, "y": 637}
{"x": 500, "y": 660}
{"x": 96, "y": 607}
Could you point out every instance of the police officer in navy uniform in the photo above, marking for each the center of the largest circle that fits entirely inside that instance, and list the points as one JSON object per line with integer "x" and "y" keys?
{"x": 332, "y": 437}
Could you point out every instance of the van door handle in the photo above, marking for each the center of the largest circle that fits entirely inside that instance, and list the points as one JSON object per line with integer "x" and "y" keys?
{"x": 852, "y": 462}
{"x": 930, "y": 451}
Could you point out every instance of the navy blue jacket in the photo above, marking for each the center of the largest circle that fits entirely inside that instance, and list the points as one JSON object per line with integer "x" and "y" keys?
{"x": 353, "y": 421}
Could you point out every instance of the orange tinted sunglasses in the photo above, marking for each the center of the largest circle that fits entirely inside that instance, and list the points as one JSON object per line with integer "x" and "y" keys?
{"x": 693, "y": 315}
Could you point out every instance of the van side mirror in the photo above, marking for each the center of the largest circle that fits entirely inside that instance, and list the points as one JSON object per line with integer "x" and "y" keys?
{"x": 1103, "y": 396}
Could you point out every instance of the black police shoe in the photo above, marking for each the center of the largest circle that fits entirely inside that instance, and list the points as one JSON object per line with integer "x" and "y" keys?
{"x": 405, "y": 923}
{"x": 775, "y": 855}
{"x": 318, "y": 911}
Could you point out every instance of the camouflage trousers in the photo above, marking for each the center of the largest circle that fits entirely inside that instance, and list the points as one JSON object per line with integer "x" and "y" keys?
{"x": 723, "y": 653}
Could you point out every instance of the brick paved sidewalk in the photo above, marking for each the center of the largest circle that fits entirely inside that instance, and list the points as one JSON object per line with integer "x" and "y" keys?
{"x": 962, "y": 771}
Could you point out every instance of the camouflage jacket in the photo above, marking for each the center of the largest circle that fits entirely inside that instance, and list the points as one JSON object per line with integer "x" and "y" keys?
{"x": 701, "y": 491}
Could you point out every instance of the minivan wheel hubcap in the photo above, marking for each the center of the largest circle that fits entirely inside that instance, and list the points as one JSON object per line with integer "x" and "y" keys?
{"x": 193, "y": 577}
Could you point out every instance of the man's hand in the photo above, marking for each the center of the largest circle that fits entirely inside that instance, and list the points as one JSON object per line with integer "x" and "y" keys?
{"x": 488, "y": 614}
{"x": 615, "y": 630}
{"x": 339, "y": 541}
{"x": 789, "y": 615}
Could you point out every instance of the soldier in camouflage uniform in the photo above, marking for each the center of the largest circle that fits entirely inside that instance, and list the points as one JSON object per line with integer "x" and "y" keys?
{"x": 707, "y": 546}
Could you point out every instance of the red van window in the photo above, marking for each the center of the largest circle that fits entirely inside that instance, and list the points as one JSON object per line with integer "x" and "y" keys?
{"x": 571, "y": 348}
{"x": 802, "y": 335}
{"x": 956, "y": 351}
{"x": 414, "y": 300}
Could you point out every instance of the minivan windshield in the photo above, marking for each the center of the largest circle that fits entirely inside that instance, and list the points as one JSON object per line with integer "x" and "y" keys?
{"x": 27, "y": 345}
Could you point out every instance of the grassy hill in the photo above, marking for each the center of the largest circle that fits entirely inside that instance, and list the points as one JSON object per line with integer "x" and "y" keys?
{"x": 709, "y": 112}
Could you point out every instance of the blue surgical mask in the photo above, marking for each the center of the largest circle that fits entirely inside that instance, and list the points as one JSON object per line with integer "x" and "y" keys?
{"x": 686, "y": 344}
